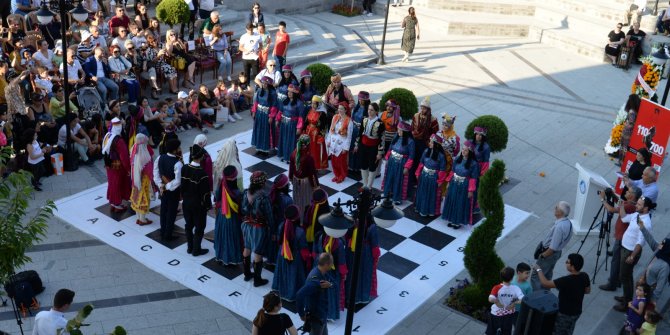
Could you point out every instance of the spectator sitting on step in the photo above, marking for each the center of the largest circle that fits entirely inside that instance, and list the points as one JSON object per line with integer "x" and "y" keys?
{"x": 663, "y": 22}
{"x": 208, "y": 25}
{"x": 635, "y": 8}
{"x": 271, "y": 71}
{"x": 245, "y": 88}
{"x": 616, "y": 38}
{"x": 636, "y": 36}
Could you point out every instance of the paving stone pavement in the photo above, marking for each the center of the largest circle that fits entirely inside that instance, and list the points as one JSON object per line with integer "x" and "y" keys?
{"x": 558, "y": 107}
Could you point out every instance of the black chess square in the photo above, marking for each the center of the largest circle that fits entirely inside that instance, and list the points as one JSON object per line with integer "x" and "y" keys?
{"x": 179, "y": 232}
{"x": 328, "y": 190}
{"x": 395, "y": 265}
{"x": 355, "y": 175}
{"x": 388, "y": 239}
{"x": 258, "y": 154}
{"x": 157, "y": 210}
{"x": 270, "y": 169}
{"x": 231, "y": 271}
{"x": 107, "y": 210}
{"x": 353, "y": 190}
{"x": 412, "y": 215}
{"x": 432, "y": 238}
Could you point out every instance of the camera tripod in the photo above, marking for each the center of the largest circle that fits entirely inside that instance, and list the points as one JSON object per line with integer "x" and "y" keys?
{"x": 603, "y": 236}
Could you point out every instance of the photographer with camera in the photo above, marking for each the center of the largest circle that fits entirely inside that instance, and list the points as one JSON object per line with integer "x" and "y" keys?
{"x": 624, "y": 207}
{"x": 312, "y": 299}
{"x": 631, "y": 249}
{"x": 549, "y": 250}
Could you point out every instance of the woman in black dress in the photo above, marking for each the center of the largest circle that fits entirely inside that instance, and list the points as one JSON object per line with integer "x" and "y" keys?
{"x": 616, "y": 39}
{"x": 269, "y": 321}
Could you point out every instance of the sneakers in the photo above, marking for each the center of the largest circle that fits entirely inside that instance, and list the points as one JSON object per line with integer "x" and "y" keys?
{"x": 369, "y": 14}
{"x": 231, "y": 119}
{"x": 229, "y": 78}
{"x": 220, "y": 78}
{"x": 365, "y": 12}
{"x": 237, "y": 116}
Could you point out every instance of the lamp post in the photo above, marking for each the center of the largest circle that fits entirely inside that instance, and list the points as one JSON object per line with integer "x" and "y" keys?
{"x": 45, "y": 16}
{"x": 336, "y": 224}
{"x": 386, "y": 20}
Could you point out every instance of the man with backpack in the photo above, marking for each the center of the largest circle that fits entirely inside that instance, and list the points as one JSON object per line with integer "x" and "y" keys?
{"x": 48, "y": 322}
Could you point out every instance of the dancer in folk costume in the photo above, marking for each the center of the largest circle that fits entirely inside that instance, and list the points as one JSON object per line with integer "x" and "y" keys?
{"x": 390, "y": 117}
{"x": 424, "y": 125}
{"x": 302, "y": 173}
{"x": 257, "y": 215}
{"x": 206, "y": 162}
{"x": 338, "y": 272}
{"x": 367, "y": 280}
{"x": 228, "y": 155}
{"x": 290, "y": 272}
{"x": 117, "y": 164}
{"x": 197, "y": 200}
{"x": 279, "y": 199}
{"x": 264, "y": 112}
{"x": 369, "y": 145}
{"x": 399, "y": 160}
{"x": 315, "y": 128}
{"x": 307, "y": 90}
{"x": 338, "y": 142}
{"x": 167, "y": 177}
{"x": 287, "y": 79}
{"x": 462, "y": 186}
{"x": 431, "y": 174}
{"x": 483, "y": 156}
{"x": 141, "y": 175}
{"x": 451, "y": 142}
{"x": 290, "y": 122}
{"x": 227, "y": 229}
{"x": 310, "y": 222}
{"x": 357, "y": 114}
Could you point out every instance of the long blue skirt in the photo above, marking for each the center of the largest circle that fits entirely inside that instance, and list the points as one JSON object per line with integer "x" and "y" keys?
{"x": 289, "y": 276}
{"x": 365, "y": 277}
{"x": 426, "y": 194}
{"x": 228, "y": 239}
{"x": 254, "y": 239}
{"x": 287, "y": 139}
{"x": 260, "y": 137}
{"x": 271, "y": 248}
{"x": 394, "y": 180}
{"x": 457, "y": 207}
{"x": 354, "y": 157}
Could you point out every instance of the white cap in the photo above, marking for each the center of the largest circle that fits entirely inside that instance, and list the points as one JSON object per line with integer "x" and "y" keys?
{"x": 85, "y": 34}
{"x": 58, "y": 46}
{"x": 182, "y": 95}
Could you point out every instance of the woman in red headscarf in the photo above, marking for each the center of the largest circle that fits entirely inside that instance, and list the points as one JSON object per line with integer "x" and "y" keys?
{"x": 293, "y": 254}
{"x": 339, "y": 141}
{"x": 302, "y": 173}
{"x": 227, "y": 229}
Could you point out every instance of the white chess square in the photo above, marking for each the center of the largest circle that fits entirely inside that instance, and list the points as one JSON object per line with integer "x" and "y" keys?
{"x": 413, "y": 251}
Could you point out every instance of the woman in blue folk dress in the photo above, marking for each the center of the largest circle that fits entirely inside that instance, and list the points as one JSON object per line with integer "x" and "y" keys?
{"x": 307, "y": 91}
{"x": 290, "y": 271}
{"x": 430, "y": 176}
{"x": 483, "y": 155}
{"x": 263, "y": 112}
{"x": 256, "y": 213}
{"x": 462, "y": 186}
{"x": 290, "y": 123}
{"x": 367, "y": 280}
{"x": 227, "y": 230}
{"x": 357, "y": 115}
{"x": 287, "y": 79}
{"x": 335, "y": 247}
{"x": 398, "y": 163}
{"x": 280, "y": 200}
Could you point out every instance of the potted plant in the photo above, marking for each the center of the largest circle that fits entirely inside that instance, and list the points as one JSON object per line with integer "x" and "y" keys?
{"x": 321, "y": 74}
{"x": 173, "y": 12}
{"x": 405, "y": 99}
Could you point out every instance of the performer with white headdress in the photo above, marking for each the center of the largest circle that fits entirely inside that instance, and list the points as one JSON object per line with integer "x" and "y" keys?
{"x": 228, "y": 155}
{"x": 206, "y": 163}
{"x": 141, "y": 175}
{"x": 117, "y": 164}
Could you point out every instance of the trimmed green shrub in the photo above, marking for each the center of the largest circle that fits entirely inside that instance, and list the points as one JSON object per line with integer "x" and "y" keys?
{"x": 321, "y": 74}
{"x": 479, "y": 256}
{"x": 497, "y": 132}
{"x": 173, "y": 12}
{"x": 403, "y": 97}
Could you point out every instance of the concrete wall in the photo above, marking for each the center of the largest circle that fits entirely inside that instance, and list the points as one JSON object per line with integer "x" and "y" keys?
{"x": 285, "y": 6}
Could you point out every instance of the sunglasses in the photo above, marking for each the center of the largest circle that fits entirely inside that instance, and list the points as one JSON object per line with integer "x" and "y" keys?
{"x": 271, "y": 65}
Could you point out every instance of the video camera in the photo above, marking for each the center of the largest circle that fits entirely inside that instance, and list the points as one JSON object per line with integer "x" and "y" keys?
{"x": 610, "y": 197}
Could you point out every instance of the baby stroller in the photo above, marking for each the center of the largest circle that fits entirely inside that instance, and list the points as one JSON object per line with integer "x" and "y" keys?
{"x": 89, "y": 101}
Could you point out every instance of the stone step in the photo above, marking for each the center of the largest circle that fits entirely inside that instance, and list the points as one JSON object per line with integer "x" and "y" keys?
{"x": 507, "y": 7}
{"x": 566, "y": 39}
{"x": 322, "y": 44}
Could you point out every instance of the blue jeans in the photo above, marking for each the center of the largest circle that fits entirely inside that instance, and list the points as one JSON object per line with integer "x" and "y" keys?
{"x": 225, "y": 63}
{"x": 660, "y": 25}
{"x": 281, "y": 61}
{"x": 133, "y": 88}
{"x": 106, "y": 85}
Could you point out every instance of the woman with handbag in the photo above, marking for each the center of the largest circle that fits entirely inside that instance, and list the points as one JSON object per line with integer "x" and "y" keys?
{"x": 123, "y": 73}
{"x": 157, "y": 58}
{"x": 177, "y": 48}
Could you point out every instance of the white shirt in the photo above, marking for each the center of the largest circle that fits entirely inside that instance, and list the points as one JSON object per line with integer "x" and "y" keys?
{"x": 335, "y": 142}
{"x": 207, "y": 5}
{"x": 121, "y": 43}
{"x": 633, "y": 236}
{"x": 45, "y": 61}
{"x": 176, "y": 182}
{"x": 99, "y": 41}
{"x": 48, "y": 322}
{"x": 266, "y": 73}
{"x": 190, "y": 4}
{"x": 61, "y": 134}
{"x": 251, "y": 43}
{"x": 72, "y": 70}
{"x": 507, "y": 295}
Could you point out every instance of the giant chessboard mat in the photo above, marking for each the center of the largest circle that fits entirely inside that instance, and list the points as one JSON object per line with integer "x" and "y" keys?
{"x": 419, "y": 255}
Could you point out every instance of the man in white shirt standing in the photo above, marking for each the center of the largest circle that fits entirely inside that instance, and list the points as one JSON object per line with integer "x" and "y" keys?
{"x": 269, "y": 71}
{"x": 631, "y": 249}
{"x": 249, "y": 45}
{"x": 48, "y": 322}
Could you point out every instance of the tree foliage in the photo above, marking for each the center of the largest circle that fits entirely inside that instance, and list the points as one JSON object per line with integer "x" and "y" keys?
{"x": 321, "y": 74}
{"x": 480, "y": 257}
{"x": 497, "y": 132}
{"x": 73, "y": 326}
{"x": 403, "y": 97}
{"x": 173, "y": 12}
{"x": 18, "y": 233}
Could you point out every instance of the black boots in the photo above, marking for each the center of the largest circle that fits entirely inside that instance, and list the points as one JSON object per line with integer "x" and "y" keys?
{"x": 258, "y": 270}
{"x": 246, "y": 263}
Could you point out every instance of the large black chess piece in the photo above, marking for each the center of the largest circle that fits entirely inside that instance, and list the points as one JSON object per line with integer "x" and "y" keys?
{"x": 538, "y": 314}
